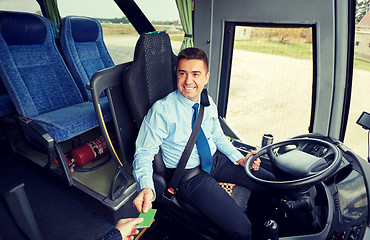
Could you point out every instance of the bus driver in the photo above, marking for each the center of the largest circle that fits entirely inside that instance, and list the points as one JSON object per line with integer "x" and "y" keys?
{"x": 169, "y": 124}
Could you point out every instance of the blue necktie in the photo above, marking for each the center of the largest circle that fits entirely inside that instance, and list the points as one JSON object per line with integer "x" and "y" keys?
{"x": 205, "y": 155}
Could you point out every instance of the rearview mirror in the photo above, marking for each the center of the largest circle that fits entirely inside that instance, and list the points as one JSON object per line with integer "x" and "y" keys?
{"x": 364, "y": 120}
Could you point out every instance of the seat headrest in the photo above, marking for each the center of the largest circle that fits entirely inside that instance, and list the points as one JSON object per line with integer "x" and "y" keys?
{"x": 151, "y": 75}
{"x": 153, "y": 52}
{"x": 84, "y": 29}
{"x": 22, "y": 28}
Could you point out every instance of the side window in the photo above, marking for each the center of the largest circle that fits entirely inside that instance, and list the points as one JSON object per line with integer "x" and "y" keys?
{"x": 21, "y": 6}
{"x": 271, "y": 82}
{"x": 356, "y": 137}
{"x": 120, "y": 36}
{"x": 163, "y": 15}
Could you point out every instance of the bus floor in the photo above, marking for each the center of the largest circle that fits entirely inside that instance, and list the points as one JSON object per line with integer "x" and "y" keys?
{"x": 166, "y": 228}
{"x": 59, "y": 215}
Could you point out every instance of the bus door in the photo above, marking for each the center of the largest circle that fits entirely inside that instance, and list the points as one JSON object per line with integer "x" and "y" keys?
{"x": 278, "y": 67}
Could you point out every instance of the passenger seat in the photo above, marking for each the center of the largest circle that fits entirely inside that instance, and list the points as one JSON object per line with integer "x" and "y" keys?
{"x": 84, "y": 50}
{"x": 38, "y": 81}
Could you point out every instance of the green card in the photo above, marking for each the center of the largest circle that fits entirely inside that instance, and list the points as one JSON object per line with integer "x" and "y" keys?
{"x": 148, "y": 218}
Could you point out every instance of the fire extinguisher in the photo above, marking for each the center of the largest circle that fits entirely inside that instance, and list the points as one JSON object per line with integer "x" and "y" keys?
{"x": 91, "y": 151}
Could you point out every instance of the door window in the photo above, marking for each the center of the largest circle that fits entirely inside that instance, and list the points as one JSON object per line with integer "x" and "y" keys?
{"x": 271, "y": 82}
{"x": 356, "y": 136}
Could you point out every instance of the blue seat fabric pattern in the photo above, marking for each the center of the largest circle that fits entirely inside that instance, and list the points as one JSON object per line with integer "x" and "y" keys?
{"x": 37, "y": 79}
{"x": 84, "y": 49}
{"x": 79, "y": 119}
{"x": 53, "y": 28}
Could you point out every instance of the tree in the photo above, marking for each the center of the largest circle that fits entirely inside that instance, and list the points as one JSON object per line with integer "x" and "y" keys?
{"x": 362, "y": 7}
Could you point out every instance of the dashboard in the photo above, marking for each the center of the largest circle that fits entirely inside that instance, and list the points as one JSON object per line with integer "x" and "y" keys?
{"x": 347, "y": 195}
{"x": 351, "y": 197}
{"x": 348, "y": 189}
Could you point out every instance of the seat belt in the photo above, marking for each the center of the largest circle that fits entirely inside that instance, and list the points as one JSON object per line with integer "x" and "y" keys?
{"x": 179, "y": 172}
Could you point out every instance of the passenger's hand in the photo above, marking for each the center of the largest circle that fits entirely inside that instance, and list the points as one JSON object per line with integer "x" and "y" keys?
{"x": 255, "y": 165}
{"x": 128, "y": 227}
{"x": 143, "y": 201}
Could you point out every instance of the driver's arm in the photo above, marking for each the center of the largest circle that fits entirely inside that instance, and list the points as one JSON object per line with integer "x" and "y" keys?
{"x": 150, "y": 137}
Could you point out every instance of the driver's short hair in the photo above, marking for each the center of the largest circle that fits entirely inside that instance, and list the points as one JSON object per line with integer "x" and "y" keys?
{"x": 193, "y": 53}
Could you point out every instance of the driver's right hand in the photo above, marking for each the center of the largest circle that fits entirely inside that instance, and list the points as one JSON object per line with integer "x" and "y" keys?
{"x": 143, "y": 201}
{"x": 255, "y": 165}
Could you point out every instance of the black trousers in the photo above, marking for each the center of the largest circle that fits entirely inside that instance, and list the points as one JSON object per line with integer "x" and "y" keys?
{"x": 204, "y": 193}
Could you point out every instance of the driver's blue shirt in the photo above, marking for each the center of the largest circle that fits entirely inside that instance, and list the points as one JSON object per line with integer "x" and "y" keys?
{"x": 168, "y": 124}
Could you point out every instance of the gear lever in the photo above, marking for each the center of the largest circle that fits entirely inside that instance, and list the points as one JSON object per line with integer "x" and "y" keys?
{"x": 272, "y": 229}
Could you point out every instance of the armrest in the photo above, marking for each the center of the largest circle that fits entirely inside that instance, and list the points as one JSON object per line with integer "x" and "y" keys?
{"x": 34, "y": 132}
{"x": 106, "y": 80}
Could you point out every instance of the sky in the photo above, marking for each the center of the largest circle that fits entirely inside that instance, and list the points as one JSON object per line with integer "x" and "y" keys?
{"x": 154, "y": 9}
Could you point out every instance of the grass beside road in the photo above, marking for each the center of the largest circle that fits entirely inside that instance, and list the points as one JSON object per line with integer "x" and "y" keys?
{"x": 178, "y": 38}
{"x": 118, "y": 29}
{"x": 296, "y": 50}
{"x": 360, "y": 64}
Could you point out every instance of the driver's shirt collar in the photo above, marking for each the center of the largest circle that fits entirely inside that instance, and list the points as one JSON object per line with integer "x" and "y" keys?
{"x": 185, "y": 101}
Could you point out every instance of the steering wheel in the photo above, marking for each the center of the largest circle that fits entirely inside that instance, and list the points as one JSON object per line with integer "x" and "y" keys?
{"x": 294, "y": 166}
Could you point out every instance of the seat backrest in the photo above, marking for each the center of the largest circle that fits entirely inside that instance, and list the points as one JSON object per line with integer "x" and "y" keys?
{"x": 2, "y": 88}
{"x": 31, "y": 67}
{"x": 54, "y": 28}
{"x": 151, "y": 76}
{"x": 84, "y": 50}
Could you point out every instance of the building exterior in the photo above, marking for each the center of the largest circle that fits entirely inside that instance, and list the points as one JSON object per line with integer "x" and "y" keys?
{"x": 362, "y": 39}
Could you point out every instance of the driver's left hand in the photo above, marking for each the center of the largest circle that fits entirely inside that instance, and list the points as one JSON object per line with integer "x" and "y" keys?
{"x": 255, "y": 165}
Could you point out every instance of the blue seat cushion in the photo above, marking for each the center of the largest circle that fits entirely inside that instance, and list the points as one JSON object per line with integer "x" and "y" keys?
{"x": 68, "y": 122}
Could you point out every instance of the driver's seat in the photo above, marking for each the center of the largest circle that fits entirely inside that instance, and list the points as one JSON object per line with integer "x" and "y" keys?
{"x": 150, "y": 77}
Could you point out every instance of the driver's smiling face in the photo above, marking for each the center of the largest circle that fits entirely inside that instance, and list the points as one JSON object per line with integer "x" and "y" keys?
{"x": 192, "y": 75}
